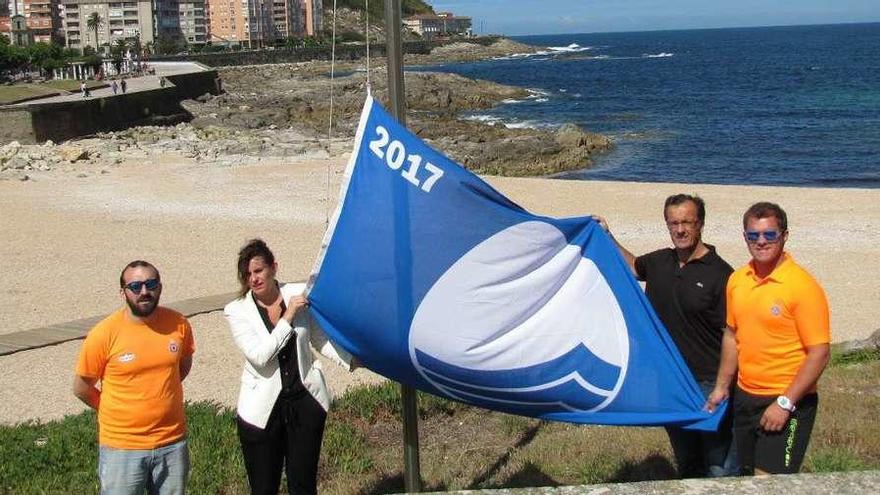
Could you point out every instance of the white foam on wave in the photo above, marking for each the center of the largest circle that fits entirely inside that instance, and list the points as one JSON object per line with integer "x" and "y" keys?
{"x": 511, "y": 101}
{"x": 514, "y": 56}
{"x": 658, "y": 55}
{"x": 572, "y": 48}
{"x": 486, "y": 119}
{"x": 541, "y": 100}
{"x": 526, "y": 124}
{"x": 537, "y": 93}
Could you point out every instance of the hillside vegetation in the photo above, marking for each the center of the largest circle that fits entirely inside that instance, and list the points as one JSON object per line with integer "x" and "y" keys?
{"x": 377, "y": 7}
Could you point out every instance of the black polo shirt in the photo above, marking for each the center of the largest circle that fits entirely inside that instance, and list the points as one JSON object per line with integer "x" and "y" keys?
{"x": 690, "y": 301}
{"x": 291, "y": 384}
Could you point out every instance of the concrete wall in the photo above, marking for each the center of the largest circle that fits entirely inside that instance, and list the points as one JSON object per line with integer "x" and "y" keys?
{"x": 17, "y": 125}
{"x": 59, "y": 121}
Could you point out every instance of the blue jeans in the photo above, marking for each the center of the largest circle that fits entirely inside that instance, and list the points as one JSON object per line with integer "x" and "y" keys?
{"x": 162, "y": 471}
{"x": 701, "y": 454}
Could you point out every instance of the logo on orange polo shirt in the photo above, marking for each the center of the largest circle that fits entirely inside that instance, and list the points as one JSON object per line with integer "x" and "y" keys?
{"x": 173, "y": 347}
{"x": 126, "y": 357}
{"x": 774, "y": 310}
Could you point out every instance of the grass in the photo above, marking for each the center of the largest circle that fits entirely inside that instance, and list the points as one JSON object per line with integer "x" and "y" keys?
{"x": 461, "y": 447}
{"x": 18, "y": 92}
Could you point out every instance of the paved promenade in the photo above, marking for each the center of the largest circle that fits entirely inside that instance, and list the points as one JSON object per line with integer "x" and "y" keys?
{"x": 77, "y": 329}
{"x": 134, "y": 84}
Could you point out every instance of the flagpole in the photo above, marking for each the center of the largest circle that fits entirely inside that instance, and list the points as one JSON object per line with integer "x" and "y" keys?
{"x": 412, "y": 476}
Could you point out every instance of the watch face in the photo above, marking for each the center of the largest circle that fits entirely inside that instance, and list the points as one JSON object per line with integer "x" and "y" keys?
{"x": 784, "y": 403}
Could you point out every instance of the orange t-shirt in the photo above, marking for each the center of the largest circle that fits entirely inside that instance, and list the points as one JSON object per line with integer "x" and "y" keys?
{"x": 141, "y": 405}
{"x": 775, "y": 319}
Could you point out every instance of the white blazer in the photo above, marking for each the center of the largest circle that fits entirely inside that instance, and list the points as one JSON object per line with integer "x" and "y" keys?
{"x": 261, "y": 376}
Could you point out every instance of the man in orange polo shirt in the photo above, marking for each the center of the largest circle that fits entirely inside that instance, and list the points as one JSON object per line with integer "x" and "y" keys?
{"x": 140, "y": 354}
{"x": 778, "y": 339}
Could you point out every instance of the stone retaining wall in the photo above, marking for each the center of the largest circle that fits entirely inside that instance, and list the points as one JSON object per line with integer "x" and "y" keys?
{"x": 849, "y": 483}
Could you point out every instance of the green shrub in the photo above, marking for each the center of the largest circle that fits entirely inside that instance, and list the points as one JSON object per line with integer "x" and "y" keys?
{"x": 857, "y": 357}
{"x": 345, "y": 448}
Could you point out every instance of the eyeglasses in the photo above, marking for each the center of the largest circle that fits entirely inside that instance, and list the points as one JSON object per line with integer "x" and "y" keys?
{"x": 136, "y": 286}
{"x": 684, "y": 223}
{"x": 769, "y": 235}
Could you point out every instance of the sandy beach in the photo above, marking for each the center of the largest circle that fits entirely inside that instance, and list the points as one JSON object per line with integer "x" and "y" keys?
{"x": 66, "y": 235}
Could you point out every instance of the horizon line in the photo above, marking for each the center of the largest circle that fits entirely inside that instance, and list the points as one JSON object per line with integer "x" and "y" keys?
{"x": 690, "y": 29}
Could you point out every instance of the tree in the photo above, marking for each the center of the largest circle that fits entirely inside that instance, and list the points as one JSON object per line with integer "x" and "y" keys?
{"x": 94, "y": 22}
{"x": 117, "y": 52}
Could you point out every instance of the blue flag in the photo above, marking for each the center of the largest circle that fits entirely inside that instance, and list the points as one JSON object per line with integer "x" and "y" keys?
{"x": 434, "y": 279}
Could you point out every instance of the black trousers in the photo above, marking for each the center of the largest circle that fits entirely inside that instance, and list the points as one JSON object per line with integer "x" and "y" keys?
{"x": 292, "y": 440}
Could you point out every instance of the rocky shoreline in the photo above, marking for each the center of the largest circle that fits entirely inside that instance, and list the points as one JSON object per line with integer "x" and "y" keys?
{"x": 283, "y": 110}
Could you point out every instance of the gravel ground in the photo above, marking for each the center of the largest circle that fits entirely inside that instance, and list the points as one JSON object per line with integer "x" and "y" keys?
{"x": 67, "y": 233}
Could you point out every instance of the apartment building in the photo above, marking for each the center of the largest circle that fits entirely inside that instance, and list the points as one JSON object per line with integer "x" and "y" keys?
{"x": 42, "y": 18}
{"x": 441, "y": 24}
{"x": 5, "y": 19}
{"x": 287, "y": 18}
{"x": 146, "y": 20}
{"x": 193, "y": 21}
{"x": 226, "y": 24}
{"x": 256, "y": 23}
{"x": 119, "y": 20}
{"x": 313, "y": 17}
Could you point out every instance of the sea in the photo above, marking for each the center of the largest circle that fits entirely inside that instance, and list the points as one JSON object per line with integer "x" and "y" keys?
{"x": 797, "y": 106}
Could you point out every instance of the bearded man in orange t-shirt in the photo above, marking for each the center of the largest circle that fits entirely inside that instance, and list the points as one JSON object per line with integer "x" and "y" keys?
{"x": 140, "y": 354}
{"x": 777, "y": 343}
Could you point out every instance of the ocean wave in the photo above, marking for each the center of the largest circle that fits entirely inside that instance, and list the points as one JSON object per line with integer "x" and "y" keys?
{"x": 526, "y": 124}
{"x": 541, "y": 100}
{"x": 536, "y": 93}
{"x": 486, "y": 119}
{"x": 511, "y": 101}
{"x": 574, "y": 47}
{"x": 658, "y": 55}
{"x": 550, "y": 51}
{"x": 514, "y": 56}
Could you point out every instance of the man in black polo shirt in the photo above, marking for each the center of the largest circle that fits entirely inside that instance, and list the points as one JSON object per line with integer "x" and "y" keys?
{"x": 686, "y": 285}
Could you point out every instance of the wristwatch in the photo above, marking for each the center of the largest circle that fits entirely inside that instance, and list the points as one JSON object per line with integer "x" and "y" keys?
{"x": 785, "y": 403}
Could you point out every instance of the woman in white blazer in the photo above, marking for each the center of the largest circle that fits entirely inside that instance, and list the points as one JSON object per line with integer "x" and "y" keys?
{"x": 283, "y": 401}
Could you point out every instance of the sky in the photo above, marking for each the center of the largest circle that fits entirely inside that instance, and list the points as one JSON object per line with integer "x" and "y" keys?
{"x": 523, "y": 17}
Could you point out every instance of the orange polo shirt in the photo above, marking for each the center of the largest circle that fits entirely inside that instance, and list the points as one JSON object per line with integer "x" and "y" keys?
{"x": 775, "y": 319}
{"x": 141, "y": 404}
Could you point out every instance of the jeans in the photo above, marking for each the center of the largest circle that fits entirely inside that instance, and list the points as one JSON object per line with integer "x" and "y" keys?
{"x": 705, "y": 453}
{"x": 161, "y": 471}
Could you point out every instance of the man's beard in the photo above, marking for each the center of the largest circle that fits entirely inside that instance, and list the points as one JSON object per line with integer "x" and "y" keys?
{"x": 142, "y": 313}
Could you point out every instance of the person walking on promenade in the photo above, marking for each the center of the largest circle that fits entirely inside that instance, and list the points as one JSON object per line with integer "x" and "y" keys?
{"x": 114, "y": 87}
{"x": 83, "y": 88}
{"x": 140, "y": 354}
{"x": 283, "y": 400}
{"x": 777, "y": 344}
{"x": 685, "y": 285}
{"x": 123, "y": 85}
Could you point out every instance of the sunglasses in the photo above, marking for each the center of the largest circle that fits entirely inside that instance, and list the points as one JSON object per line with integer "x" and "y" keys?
{"x": 769, "y": 235}
{"x": 151, "y": 284}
